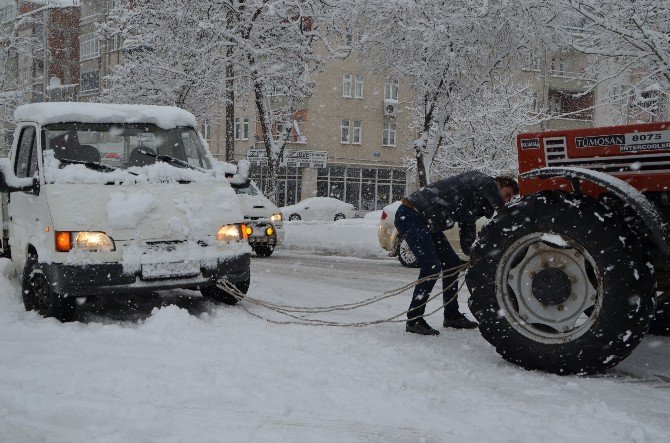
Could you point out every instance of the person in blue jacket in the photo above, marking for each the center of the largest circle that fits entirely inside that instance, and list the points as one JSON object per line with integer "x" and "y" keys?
{"x": 421, "y": 219}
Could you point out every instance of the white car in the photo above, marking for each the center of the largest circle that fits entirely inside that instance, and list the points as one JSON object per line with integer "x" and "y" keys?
{"x": 262, "y": 217}
{"x": 390, "y": 240}
{"x": 318, "y": 208}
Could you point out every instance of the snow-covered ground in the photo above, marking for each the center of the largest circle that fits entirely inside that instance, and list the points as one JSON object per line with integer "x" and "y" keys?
{"x": 177, "y": 368}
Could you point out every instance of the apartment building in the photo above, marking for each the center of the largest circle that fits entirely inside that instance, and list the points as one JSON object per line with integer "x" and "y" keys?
{"x": 98, "y": 52}
{"x": 351, "y": 140}
{"x": 41, "y": 63}
{"x": 574, "y": 95}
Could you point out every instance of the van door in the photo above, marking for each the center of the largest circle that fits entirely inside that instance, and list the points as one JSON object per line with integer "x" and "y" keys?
{"x": 24, "y": 208}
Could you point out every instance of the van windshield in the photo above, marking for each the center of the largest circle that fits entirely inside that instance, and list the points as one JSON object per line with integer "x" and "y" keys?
{"x": 107, "y": 147}
{"x": 248, "y": 189}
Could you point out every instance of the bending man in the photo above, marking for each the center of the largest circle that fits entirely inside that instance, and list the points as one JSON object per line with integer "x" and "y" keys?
{"x": 421, "y": 219}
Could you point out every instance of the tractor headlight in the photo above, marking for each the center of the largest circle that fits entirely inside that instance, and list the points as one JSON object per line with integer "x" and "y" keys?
{"x": 276, "y": 217}
{"x": 231, "y": 233}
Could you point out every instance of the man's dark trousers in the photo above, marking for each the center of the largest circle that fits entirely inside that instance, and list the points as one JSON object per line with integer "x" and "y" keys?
{"x": 434, "y": 253}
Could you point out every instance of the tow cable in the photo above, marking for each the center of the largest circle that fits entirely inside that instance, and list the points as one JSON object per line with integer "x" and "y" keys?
{"x": 292, "y": 311}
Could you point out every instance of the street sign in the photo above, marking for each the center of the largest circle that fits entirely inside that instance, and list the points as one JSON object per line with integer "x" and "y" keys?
{"x": 294, "y": 159}
{"x": 301, "y": 159}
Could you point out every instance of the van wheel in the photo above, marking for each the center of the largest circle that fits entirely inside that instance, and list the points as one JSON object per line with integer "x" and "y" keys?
{"x": 339, "y": 216}
{"x": 213, "y": 292}
{"x": 263, "y": 250}
{"x": 38, "y": 295}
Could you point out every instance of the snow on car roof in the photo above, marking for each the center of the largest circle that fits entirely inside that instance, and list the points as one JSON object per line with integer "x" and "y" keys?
{"x": 165, "y": 117}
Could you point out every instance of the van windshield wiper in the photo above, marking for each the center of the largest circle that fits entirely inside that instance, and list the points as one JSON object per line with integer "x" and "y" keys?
{"x": 169, "y": 159}
{"x": 93, "y": 165}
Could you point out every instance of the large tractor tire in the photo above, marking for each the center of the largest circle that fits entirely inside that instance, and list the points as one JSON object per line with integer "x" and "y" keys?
{"x": 559, "y": 283}
{"x": 660, "y": 325}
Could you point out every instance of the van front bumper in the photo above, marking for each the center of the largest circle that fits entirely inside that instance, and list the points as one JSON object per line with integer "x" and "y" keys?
{"x": 110, "y": 278}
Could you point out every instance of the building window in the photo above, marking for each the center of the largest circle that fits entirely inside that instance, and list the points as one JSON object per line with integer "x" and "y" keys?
{"x": 206, "y": 130}
{"x": 346, "y": 85}
{"x": 388, "y": 134}
{"x": 242, "y": 128}
{"x": 289, "y": 183}
{"x": 367, "y": 188}
{"x": 391, "y": 89}
{"x": 571, "y": 105}
{"x": 358, "y": 86}
{"x": 356, "y": 133}
{"x": 89, "y": 46}
{"x": 90, "y": 81}
{"x": 113, "y": 43}
{"x": 557, "y": 66}
{"x": 344, "y": 132}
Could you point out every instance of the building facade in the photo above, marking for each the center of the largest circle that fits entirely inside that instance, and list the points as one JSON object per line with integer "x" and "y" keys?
{"x": 40, "y": 54}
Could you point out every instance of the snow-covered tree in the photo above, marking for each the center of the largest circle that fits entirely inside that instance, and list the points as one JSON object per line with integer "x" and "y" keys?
{"x": 625, "y": 39}
{"x": 15, "y": 86}
{"x": 448, "y": 53}
{"x": 482, "y": 132}
{"x": 174, "y": 54}
{"x": 184, "y": 53}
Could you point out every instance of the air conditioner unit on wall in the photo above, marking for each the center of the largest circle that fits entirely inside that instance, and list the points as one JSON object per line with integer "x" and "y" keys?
{"x": 390, "y": 108}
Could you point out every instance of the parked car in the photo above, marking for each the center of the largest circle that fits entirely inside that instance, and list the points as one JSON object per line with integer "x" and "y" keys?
{"x": 319, "y": 208}
{"x": 265, "y": 224}
{"x": 390, "y": 240}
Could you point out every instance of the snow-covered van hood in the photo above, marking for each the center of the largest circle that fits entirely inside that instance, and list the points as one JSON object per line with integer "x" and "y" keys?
{"x": 257, "y": 206}
{"x": 144, "y": 211}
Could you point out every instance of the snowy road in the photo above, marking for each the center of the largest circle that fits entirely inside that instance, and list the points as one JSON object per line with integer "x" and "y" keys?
{"x": 193, "y": 370}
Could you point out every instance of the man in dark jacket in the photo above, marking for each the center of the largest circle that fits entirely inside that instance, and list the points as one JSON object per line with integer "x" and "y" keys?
{"x": 421, "y": 219}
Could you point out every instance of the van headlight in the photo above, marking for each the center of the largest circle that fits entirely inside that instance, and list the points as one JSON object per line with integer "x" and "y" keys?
{"x": 83, "y": 241}
{"x": 276, "y": 217}
{"x": 231, "y": 233}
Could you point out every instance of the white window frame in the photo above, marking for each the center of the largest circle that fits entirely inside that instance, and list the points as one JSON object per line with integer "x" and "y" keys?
{"x": 389, "y": 135}
{"x": 391, "y": 89}
{"x": 346, "y": 86}
{"x": 245, "y": 128}
{"x": 89, "y": 46}
{"x": 357, "y": 132}
{"x": 237, "y": 129}
{"x": 345, "y": 132}
{"x": 358, "y": 86}
{"x": 113, "y": 42}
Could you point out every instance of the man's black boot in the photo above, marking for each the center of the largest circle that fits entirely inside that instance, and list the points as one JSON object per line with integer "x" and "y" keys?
{"x": 421, "y": 327}
{"x": 459, "y": 322}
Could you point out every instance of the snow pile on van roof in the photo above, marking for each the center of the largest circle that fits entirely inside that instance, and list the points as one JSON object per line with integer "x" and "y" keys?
{"x": 166, "y": 117}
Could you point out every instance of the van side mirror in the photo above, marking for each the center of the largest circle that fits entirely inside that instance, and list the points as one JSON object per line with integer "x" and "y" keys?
{"x": 11, "y": 183}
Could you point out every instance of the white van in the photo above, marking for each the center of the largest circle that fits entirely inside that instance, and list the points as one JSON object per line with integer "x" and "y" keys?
{"x": 265, "y": 224}
{"x": 105, "y": 199}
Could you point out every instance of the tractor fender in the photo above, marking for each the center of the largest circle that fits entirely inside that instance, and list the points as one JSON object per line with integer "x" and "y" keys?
{"x": 631, "y": 196}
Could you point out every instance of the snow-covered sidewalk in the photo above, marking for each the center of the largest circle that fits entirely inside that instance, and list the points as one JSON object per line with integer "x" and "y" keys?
{"x": 196, "y": 371}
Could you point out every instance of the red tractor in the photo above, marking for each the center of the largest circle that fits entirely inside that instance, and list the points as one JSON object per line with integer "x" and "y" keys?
{"x": 570, "y": 278}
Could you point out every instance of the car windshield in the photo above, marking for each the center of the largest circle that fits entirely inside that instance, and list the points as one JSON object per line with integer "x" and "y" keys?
{"x": 246, "y": 190}
{"x": 120, "y": 146}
